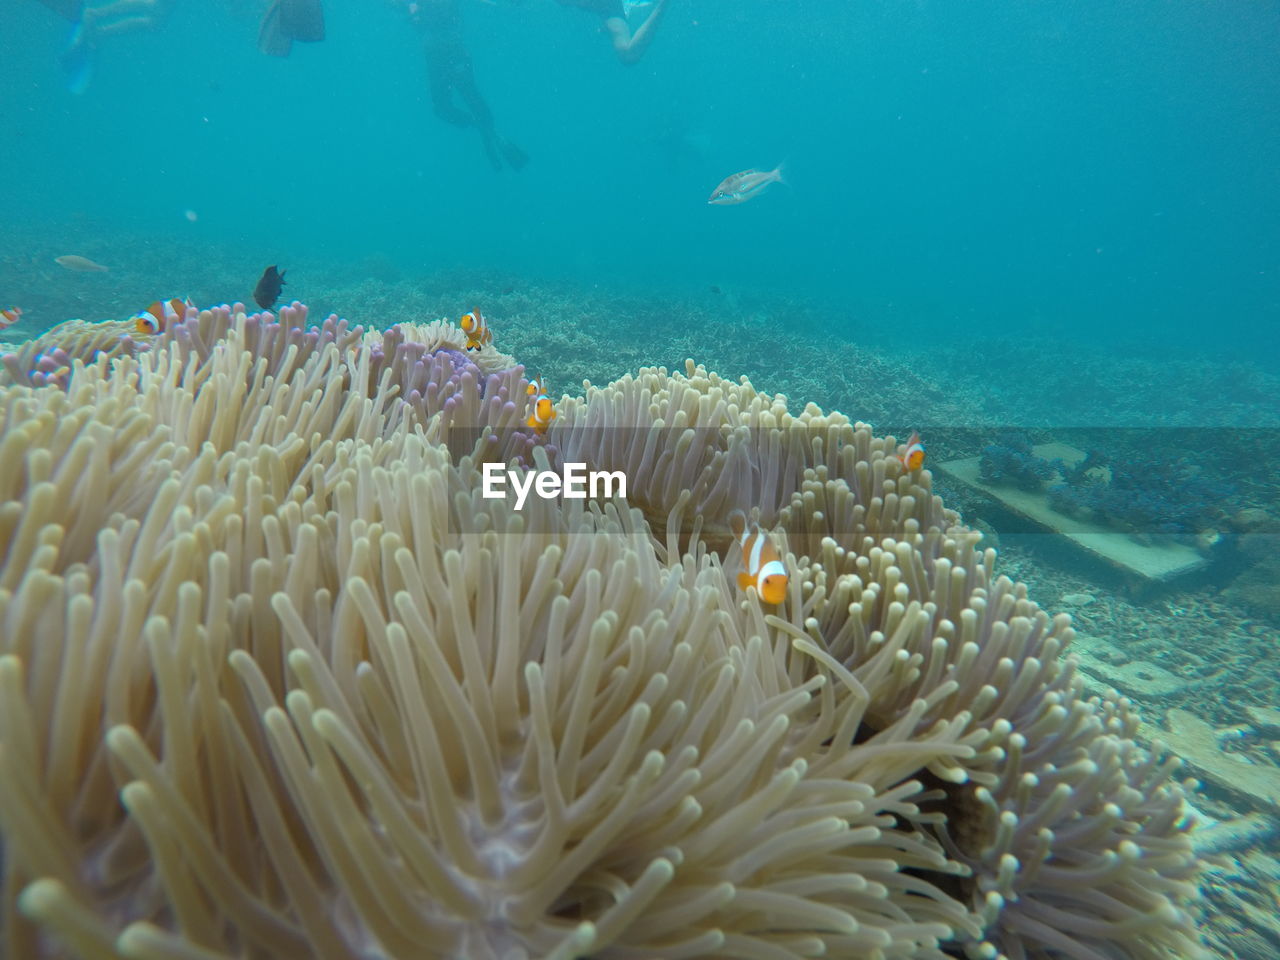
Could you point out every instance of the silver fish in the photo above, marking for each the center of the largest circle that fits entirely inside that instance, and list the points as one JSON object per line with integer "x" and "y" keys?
{"x": 79, "y": 264}
{"x": 744, "y": 186}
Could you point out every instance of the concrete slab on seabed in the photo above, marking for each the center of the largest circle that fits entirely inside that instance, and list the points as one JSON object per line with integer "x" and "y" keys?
{"x": 1157, "y": 562}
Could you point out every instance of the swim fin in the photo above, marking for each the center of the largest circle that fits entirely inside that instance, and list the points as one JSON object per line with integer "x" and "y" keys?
{"x": 515, "y": 157}
{"x": 303, "y": 20}
{"x": 272, "y": 40}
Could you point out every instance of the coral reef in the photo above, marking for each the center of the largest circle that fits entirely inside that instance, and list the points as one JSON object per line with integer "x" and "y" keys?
{"x": 261, "y": 695}
{"x": 1012, "y": 462}
{"x": 1243, "y": 892}
{"x": 1258, "y": 588}
{"x": 1146, "y": 496}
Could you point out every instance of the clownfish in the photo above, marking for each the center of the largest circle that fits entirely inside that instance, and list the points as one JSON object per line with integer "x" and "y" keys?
{"x": 543, "y": 411}
{"x": 476, "y": 329}
{"x": 160, "y": 314}
{"x": 9, "y": 316}
{"x": 913, "y": 457}
{"x": 761, "y": 566}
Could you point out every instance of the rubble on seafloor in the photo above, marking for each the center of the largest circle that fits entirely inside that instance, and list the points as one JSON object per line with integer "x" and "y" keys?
{"x": 1237, "y": 806}
{"x": 1239, "y": 834}
{"x": 1242, "y": 887}
{"x": 1107, "y": 665}
{"x": 1266, "y": 719}
{"x": 1234, "y": 752}
{"x": 1250, "y": 782}
{"x": 1248, "y": 776}
{"x": 1242, "y": 896}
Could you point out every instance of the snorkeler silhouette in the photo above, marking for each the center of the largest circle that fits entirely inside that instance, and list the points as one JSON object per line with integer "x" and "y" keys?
{"x": 285, "y": 21}
{"x": 451, "y": 78}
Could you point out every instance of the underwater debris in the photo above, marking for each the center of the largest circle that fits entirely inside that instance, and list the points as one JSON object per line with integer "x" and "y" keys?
{"x": 1152, "y": 496}
{"x": 1238, "y": 833}
{"x": 1013, "y": 462}
{"x": 1153, "y": 560}
{"x": 1199, "y": 743}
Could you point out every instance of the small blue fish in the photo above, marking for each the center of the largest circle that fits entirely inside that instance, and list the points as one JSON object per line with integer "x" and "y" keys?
{"x": 744, "y": 186}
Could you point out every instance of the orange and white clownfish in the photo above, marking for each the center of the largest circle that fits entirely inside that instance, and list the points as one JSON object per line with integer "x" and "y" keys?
{"x": 157, "y": 317}
{"x": 476, "y": 329}
{"x": 543, "y": 410}
{"x": 761, "y": 566}
{"x": 9, "y": 316}
{"x": 913, "y": 457}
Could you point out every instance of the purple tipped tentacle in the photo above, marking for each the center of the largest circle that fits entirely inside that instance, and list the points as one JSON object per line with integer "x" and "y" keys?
{"x": 14, "y": 368}
{"x": 294, "y": 315}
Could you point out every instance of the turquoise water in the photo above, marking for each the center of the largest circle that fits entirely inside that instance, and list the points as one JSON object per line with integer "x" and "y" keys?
{"x": 1102, "y": 173}
{"x": 994, "y": 213}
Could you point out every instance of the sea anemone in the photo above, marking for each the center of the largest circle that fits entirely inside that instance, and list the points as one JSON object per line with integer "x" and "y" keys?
{"x": 276, "y": 680}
